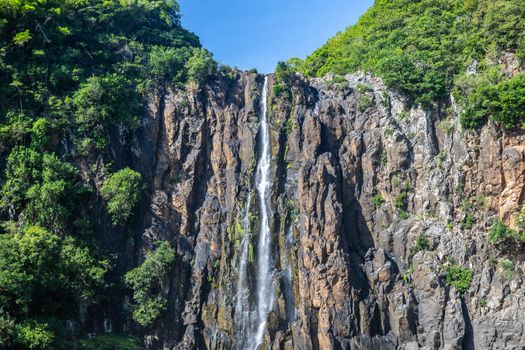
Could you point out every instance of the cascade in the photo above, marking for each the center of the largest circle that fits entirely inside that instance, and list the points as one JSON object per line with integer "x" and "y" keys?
{"x": 264, "y": 270}
{"x": 242, "y": 302}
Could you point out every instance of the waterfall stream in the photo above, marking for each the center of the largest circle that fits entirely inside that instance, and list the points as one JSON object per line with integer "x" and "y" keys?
{"x": 250, "y": 320}
{"x": 265, "y": 292}
{"x": 242, "y": 299}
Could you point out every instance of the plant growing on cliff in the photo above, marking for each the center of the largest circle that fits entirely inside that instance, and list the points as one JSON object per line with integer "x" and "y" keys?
{"x": 200, "y": 65}
{"x": 121, "y": 190}
{"x": 146, "y": 281}
{"x": 458, "y": 277}
{"x": 422, "y": 243}
{"x": 499, "y": 232}
{"x": 377, "y": 200}
{"x": 364, "y": 102}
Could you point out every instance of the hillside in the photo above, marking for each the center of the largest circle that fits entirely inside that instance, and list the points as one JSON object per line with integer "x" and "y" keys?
{"x": 429, "y": 48}
{"x": 368, "y": 197}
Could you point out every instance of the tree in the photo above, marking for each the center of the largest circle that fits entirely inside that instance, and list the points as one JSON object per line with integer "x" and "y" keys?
{"x": 200, "y": 65}
{"x": 121, "y": 191}
{"x": 43, "y": 281}
{"x": 146, "y": 283}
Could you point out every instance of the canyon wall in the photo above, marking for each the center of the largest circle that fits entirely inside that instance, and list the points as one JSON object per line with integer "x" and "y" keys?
{"x": 373, "y": 202}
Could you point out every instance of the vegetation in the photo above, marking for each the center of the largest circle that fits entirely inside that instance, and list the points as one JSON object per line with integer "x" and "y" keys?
{"x": 109, "y": 342}
{"x": 121, "y": 190}
{"x": 44, "y": 279}
{"x": 424, "y": 48}
{"x": 505, "y": 238}
{"x": 73, "y": 80}
{"x": 377, "y": 200}
{"x": 458, "y": 277}
{"x": 422, "y": 243}
{"x": 146, "y": 283}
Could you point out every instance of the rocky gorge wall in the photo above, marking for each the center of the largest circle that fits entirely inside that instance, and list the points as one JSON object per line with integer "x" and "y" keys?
{"x": 358, "y": 177}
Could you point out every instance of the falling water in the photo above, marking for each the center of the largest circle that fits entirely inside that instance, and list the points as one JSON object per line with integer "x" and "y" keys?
{"x": 265, "y": 293}
{"x": 242, "y": 305}
{"x": 288, "y": 278}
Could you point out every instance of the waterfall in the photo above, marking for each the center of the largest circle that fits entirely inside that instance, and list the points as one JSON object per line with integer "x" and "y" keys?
{"x": 242, "y": 304}
{"x": 250, "y": 322}
{"x": 288, "y": 278}
{"x": 265, "y": 292}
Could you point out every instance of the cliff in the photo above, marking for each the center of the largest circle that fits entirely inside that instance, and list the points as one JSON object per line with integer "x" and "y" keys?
{"x": 379, "y": 217}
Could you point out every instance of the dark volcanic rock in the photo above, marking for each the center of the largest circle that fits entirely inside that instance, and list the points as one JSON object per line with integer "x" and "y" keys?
{"x": 354, "y": 186}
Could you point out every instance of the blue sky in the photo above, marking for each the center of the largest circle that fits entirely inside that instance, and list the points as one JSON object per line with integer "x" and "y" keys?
{"x": 259, "y": 33}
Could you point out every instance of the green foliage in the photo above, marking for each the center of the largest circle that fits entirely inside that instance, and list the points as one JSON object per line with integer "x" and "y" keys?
{"x": 34, "y": 335}
{"x": 109, "y": 342}
{"x": 401, "y": 201}
{"x": 364, "y": 102}
{"x": 40, "y": 186}
{"x": 503, "y": 236}
{"x": 420, "y": 47}
{"x": 508, "y": 268}
{"x": 422, "y": 243}
{"x": 99, "y": 104}
{"x": 146, "y": 283}
{"x": 458, "y": 277}
{"x": 283, "y": 80}
{"x": 44, "y": 275}
{"x": 491, "y": 95}
{"x": 377, "y": 200}
{"x": 121, "y": 190}
{"x": 200, "y": 65}
{"x": 509, "y": 105}
{"x": 20, "y": 39}
{"x": 73, "y": 76}
{"x": 338, "y": 82}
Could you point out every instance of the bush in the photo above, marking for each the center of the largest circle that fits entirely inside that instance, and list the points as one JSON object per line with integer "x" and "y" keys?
{"x": 377, "y": 200}
{"x": 364, "y": 102}
{"x": 200, "y": 65}
{"x": 121, "y": 190}
{"x": 33, "y": 335}
{"x": 146, "y": 283}
{"x": 499, "y": 232}
{"x": 338, "y": 82}
{"x": 422, "y": 243}
{"x": 41, "y": 186}
{"x": 109, "y": 342}
{"x": 458, "y": 277}
{"x": 509, "y": 106}
{"x": 401, "y": 201}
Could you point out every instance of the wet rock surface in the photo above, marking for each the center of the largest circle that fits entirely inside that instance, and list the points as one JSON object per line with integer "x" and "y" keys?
{"x": 359, "y": 176}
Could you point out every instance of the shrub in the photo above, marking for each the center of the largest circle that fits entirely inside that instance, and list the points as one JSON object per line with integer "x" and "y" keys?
{"x": 33, "y": 335}
{"x": 364, "y": 102}
{"x": 338, "y": 82}
{"x": 121, "y": 190}
{"x": 200, "y": 65}
{"x": 458, "y": 277}
{"x": 422, "y": 243}
{"x": 146, "y": 283}
{"x": 509, "y": 107}
{"x": 109, "y": 342}
{"x": 377, "y": 200}
{"x": 500, "y": 232}
{"x": 509, "y": 270}
{"x": 401, "y": 201}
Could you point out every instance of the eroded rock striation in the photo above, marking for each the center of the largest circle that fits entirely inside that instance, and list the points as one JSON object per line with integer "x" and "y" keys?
{"x": 373, "y": 201}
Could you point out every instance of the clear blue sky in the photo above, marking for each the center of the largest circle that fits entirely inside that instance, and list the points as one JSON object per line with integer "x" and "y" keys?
{"x": 259, "y": 33}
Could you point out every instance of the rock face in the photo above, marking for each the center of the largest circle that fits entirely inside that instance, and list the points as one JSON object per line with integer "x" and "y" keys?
{"x": 359, "y": 178}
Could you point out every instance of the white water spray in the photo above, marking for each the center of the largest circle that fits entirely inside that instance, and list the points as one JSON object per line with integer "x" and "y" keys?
{"x": 265, "y": 292}
{"x": 242, "y": 304}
